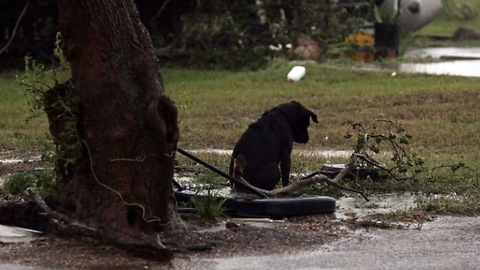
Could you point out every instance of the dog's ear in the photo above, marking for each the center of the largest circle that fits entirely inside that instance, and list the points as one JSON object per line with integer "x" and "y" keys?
{"x": 314, "y": 117}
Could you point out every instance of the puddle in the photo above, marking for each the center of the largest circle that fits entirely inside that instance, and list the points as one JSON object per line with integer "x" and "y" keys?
{"x": 9, "y": 234}
{"x": 211, "y": 151}
{"x": 464, "y": 68}
{"x": 14, "y": 160}
{"x": 444, "y": 53}
{"x": 11, "y": 161}
{"x": 377, "y": 204}
{"x": 318, "y": 153}
{"x": 465, "y": 61}
{"x": 190, "y": 184}
{"x": 324, "y": 153}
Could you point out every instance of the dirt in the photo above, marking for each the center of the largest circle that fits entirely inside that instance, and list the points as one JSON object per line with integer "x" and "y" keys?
{"x": 204, "y": 240}
{"x": 238, "y": 237}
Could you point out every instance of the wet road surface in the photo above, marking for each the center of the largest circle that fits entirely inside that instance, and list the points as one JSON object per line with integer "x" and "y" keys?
{"x": 446, "y": 243}
{"x": 463, "y": 62}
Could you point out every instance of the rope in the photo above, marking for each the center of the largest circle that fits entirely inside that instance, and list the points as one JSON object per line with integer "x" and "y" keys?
{"x": 154, "y": 218}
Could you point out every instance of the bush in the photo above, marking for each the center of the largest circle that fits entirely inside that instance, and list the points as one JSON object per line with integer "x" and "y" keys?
{"x": 247, "y": 35}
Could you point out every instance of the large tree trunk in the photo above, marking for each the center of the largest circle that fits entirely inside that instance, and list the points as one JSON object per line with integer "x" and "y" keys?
{"x": 121, "y": 183}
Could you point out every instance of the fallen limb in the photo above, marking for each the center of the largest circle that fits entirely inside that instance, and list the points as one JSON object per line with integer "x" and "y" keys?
{"x": 23, "y": 214}
{"x": 61, "y": 221}
{"x": 311, "y": 179}
{"x": 149, "y": 246}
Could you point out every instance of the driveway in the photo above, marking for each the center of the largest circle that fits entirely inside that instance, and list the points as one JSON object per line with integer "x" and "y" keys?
{"x": 445, "y": 243}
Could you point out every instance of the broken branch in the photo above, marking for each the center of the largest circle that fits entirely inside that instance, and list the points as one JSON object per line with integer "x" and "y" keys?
{"x": 148, "y": 246}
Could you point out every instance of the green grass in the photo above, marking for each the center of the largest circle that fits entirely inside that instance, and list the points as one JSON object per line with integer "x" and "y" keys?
{"x": 445, "y": 25}
{"x": 15, "y": 133}
{"x": 441, "y": 112}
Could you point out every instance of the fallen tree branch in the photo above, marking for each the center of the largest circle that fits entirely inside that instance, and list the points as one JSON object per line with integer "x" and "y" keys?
{"x": 149, "y": 246}
{"x": 60, "y": 220}
{"x": 15, "y": 28}
{"x": 312, "y": 179}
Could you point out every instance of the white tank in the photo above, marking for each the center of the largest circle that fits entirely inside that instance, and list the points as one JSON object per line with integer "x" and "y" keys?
{"x": 414, "y": 13}
{"x": 296, "y": 74}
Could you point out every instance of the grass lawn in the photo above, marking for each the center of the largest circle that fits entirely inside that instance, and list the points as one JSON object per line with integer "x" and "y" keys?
{"x": 442, "y": 113}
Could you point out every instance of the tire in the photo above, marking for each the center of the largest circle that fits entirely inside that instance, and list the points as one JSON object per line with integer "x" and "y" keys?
{"x": 275, "y": 208}
{"x": 281, "y": 207}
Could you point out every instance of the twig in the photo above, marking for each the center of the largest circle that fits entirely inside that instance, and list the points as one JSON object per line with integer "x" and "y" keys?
{"x": 14, "y": 32}
{"x": 312, "y": 179}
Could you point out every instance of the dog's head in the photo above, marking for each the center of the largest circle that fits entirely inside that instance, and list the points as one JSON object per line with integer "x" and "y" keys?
{"x": 299, "y": 118}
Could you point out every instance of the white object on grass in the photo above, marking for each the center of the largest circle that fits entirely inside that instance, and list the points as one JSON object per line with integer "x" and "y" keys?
{"x": 296, "y": 74}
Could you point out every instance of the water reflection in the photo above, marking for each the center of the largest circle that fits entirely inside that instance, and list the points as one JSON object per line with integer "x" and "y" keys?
{"x": 444, "y": 53}
{"x": 10, "y": 234}
{"x": 465, "y": 68}
{"x": 377, "y": 204}
{"x": 464, "y": 61}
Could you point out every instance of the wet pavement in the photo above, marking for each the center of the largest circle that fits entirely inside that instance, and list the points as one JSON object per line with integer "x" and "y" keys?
{"x": 463, "y": 68}
{"x": 377, "y": 204}
{"x": 452, "y": 61}
{"x": 462, "y": 62}
{"x": 444, "y": 53}
{"x": 9, "y": 234}
{"x": 446, "y": 243}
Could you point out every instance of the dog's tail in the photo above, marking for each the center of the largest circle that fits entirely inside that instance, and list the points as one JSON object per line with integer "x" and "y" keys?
{"x": 238, "y": 165}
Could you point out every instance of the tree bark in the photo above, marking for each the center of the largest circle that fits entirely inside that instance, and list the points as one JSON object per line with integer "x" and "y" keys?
{"x": 128, "y": 134}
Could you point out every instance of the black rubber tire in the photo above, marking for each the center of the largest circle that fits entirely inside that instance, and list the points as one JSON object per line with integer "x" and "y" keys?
{"x": 273, "y": 207}
{"x": 281, "y": 207}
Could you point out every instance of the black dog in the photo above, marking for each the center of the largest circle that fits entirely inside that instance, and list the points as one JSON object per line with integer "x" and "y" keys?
{"x": 268, "y": 143}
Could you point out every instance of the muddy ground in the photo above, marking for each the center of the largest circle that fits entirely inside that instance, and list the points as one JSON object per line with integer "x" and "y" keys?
{"x": 205, "y": 239}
